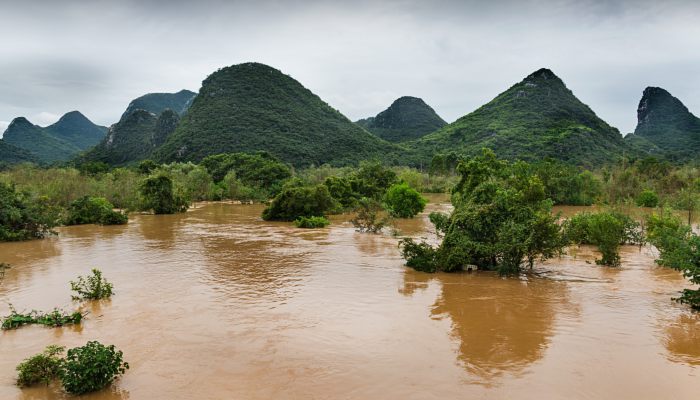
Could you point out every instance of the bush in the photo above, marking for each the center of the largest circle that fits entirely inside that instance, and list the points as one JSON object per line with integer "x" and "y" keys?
{"x": 91, "y": 367}
{"x": 372, "y": 179}
{"x": 311, "y": 222}
{"x": 159, "y": 195}
{"x": 94, "y": 287}
{"x": 402, "y": 201}
{"x": 606, "y": 230}
{"x": 40, "y": 368}
{"x": 648, "y": 198}
{"x": 299, "y": 201}
{"x": 341, "y": 190}
{"x": 419, "y": 256}
{"x": 22, "y": 218}
{"x": 54, "y": 318}
{"x": 94, "y": 210}
{"x": 369, "y": 217}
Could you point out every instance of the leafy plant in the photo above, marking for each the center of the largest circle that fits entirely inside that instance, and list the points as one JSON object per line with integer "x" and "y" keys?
{"x": 91, "y": 367}
{"x": 648, "y": 198}
{"x": 94, "y": 210}
{"x": 54, "y": 318}
{"x": 402, "y": 201}
{"x": 159, "y": 195}
{"x": 40, "y": 368}
{"x": 299, "y": 201}
{"x": 92, "y": 287}
{"x": 606, "y": 230}
{"x": 22, "y": 218}
{"x": 311, "y": 222}
{"x": 370, "y": 216}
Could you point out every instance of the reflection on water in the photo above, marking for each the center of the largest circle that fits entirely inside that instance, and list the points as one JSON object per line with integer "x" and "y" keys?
{"x": 217, "y": 303}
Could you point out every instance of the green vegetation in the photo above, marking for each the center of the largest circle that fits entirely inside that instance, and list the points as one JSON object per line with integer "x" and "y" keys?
{"x": 679, "y": 249}
{"x": 502, "y": 220}
{"x": 91, "y": 367}
{"x": 606, "y": 230}
{"x": 54, "y": 318}
{"x": 648, "y": 198}
{"x": 370, "y": 216}
{"x": 534, "y": 119}
{"x": 402, "y": 201}
{"x": 296, "y": 201}
{"x": 22, "y": 218}
{"x": 159, "y": 195}
{"x": 311, "y": 222}
{"x": 94, "y": 210}
{"x": 92, "y": 287}
{"x": 10, "y": 155}
{"x": 40, "y": 368}
{"x": 407, "y": 118}
{"x": 665, "y": 128}
{"x": 156, "y": 103}
{"x": 251, "y": 107}
{"x": 257, "y": 176}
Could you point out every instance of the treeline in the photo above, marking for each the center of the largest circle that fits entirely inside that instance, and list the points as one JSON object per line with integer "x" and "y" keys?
{"x": 503, "y": 221}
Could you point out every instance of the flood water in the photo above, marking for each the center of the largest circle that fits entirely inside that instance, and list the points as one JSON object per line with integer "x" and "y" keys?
{"x": 217, "y": 304}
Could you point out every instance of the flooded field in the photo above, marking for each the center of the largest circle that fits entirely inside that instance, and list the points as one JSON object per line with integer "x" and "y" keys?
{"x": 218, "y": 304}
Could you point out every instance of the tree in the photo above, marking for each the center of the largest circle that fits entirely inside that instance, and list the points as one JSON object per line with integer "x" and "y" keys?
{"x": 158, "y": 195}
{"x": 402, "y": 201}
{"x": 606, "y": 230}
{"x": 22, "y": 218}
{"x": 299, "y": 201}
{"x": 94, "y": 210}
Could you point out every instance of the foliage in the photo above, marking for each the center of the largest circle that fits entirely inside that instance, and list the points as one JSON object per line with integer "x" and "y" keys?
{"x": 94, "y": 168}
{"x": 145, "y": 167}
{"x": 260, "y": 170}
{"x": 156, "y": 103}
{"x": 22, "y": 218}
{"x": 502, "y": 220}
{"x": 91, "y": 367}
{"x": 40, "y": 368}
{"x": 606, "y": 230}
{"x": 679, "y": 249}
{"x": 402, "y": 201}
{"x": 407, "y": 118}
{"x": 54, "y": 318}
{"x": 299, "y": 201}
{"x": 92, "y": 287}
{"x": 159, "y": 195}
{"x": 250, "y": 107}
{"x": 94, "y": 210}
{"x": 311, "y": 222}
{"x": 369, "y": 216}
{"x": 648, "y": 198}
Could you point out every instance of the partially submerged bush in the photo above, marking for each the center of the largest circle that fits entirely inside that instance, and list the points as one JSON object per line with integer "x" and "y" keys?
{"x": 402, "y": 201}
{"x": 311, "y": 222}
{"x": 296, "y": 201}
{"x": 370, "y": 216}
{"x": 55, "y": 318}
{"x": 159, "y": 195}
{"x": 94, "y": 210}
{"x": 40, "y": 368}
{"x": 606, "y": 230}
{"x": 23, "y": 218}
{"x": 91, "y": 367}
{"x": 419, "y": 256}
{"x": 93, "y": 287}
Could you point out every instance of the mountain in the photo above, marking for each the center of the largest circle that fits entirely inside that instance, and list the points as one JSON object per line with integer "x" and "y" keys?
{"x": 61, "y": 141}
{"x": 156, "y": 103}
{"x": 250, "y": 107}
{"x": 407, "y": 118}
{"x": 133, "y": 138}
{"x": 535, "y": 118}
{"x": 74, "y": 128}
{"x": 665, "y": 127}
{"x": 10, "y": 154}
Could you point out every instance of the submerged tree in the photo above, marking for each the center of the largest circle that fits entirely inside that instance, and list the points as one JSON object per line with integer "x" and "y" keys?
{"x": 159, "y": 195}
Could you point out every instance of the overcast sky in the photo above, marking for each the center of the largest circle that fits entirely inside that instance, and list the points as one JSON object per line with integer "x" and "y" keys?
{"x": 95, "y": 56}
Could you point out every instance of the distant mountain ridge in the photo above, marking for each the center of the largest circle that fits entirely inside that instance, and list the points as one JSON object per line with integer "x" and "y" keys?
{"x": 665, "y": 127}
{"x": 10, "y": 154}
{"x": 156, "y": 103}
{"x": 406, "y": 118}
{"x": 251, "y": 106}
{"x": 535, "y": 118}
{"x": 61, "y": 141}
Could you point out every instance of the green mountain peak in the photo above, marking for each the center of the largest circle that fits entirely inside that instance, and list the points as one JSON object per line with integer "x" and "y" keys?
{"x": 407, "y": 118}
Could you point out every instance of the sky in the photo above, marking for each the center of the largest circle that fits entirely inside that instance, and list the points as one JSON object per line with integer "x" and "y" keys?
{"x": 95, "y": 56}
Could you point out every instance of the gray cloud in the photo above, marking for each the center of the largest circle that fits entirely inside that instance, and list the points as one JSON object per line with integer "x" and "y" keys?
{"x": 95, "y": 56}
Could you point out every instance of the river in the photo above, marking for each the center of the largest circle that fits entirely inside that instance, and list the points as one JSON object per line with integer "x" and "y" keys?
{"x": 218, "y": 304}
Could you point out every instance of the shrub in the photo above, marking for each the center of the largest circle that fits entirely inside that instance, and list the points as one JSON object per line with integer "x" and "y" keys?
{"x": 299, "y": 201}
{"x": 419, "y": 256}
{"x": 94, "y": 210}
{"x": 22, "y": 218}
{"x": 311, "y": 222}
{"x": 91, "y": 367}
{"x": 159, "y": 195}
{"x": 369, "y": 217}
{"x": 94, "y": 287}
{"x": 648, "y": 198}
{"x": 402, "y": 201}
{"x": 54, "y": 318}
{"x": 341, "y": 190}
{"x": 606, "y": 230}
{"x": 40, "y": 368}
{"x": 372, "y": 179}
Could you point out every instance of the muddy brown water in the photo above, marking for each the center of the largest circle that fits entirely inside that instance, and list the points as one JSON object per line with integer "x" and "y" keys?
{"x": 217, "y": 304}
